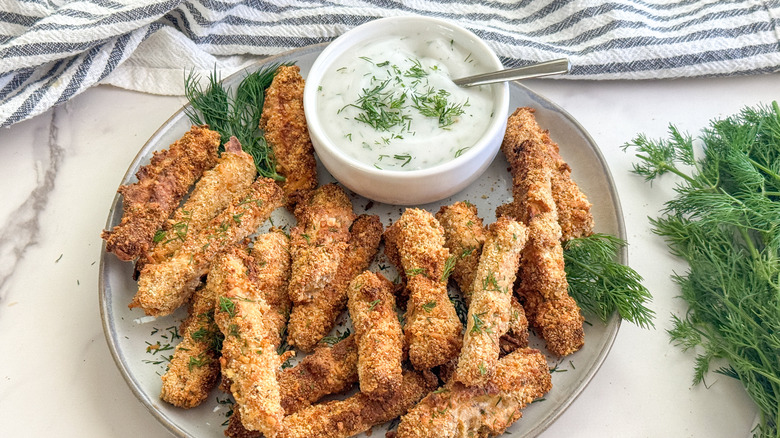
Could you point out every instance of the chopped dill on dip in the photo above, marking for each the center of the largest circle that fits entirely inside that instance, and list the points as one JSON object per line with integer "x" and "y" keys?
{"x": 391, "y": 103}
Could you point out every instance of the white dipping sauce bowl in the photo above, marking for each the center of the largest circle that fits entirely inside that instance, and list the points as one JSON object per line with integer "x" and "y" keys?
{"x": 405, "y": 187}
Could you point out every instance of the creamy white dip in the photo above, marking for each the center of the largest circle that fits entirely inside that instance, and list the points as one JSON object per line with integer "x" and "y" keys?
{"x": 391, "y": 103}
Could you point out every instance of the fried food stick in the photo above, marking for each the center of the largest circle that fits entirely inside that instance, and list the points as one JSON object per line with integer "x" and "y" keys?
{"x": 490, "y": 309}
{"x": 328, "y": 370}
{"x": 415, "y": 244}
{"x": 572, "y": 205}
{"x": 356, "y": 414}
{"x": 230, "y": 177}
{"x": 163, "y": 287}
{"x": 161, "y": 185}
{"x": 318, "y": 241}
{"x": 464, "y": 236}
{"x": 543, "y": 289}
{"x": 269, "y": 270}
{"x": 456, "y": 410}
{"x": 194, "y": 367}
{"x": 312, "y": 321}
{"x": 284, "y": 125}
{"x": 379, "y": 336}
{"x": 249, "y": 358}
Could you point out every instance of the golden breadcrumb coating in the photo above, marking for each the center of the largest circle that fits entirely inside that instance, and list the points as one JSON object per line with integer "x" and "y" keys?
{"x": 161, "y": 185}
{"x": 163, "y": 287}
{"x": 249, "y": 358}
{"x": 312, "y": 321}
{"x": 378, "y": 333}
{"x": 572, "y": 205}
{"x": 230, "y": 177}
{"x": 356, "y": 414}
{"x": 328, "y": 370}
{"x": 194, "y": 367}
{"x": 269, "y": 270}
{"x": 543, "y": 284}
{"x": 415, "y": 244}
{"x": 285, "y": 130}
{"x": 318, "y": 241}
{"x": 543, "y": 288}
{"x": 465, "y": 235}
{"x": 517, "y": 335}
{"x": 491, "y": 310}
{"x": 458, "y": 411}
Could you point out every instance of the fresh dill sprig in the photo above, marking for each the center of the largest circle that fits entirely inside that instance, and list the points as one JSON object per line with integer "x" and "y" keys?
{"x": 602, "y": 285}
{"x": 725, "y": 222}
{"x": 235, "y": 114}
{"x": 436, "y": 105}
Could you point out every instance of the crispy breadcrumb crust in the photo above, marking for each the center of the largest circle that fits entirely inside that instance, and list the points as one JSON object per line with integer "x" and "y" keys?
{"x": 356, "y": 414}
{"x": 249, "y": 358}
{"x": 456, "y": 410}
{"x": 378, "y": 332}
{"x": 230, "y": 177}
{"x": 161, "y": 185}
{"x": 432, "y": 330}
{"x": 269, "y": 269}
{"x": 543, "y": 289}
{"x": 312, "y": 321}
{"x": 490, "y": 310}
{"x": 328, "y": 370}
{"x": 318, "y": 241}
{"x": 163, "y": 287}
{"x": 286, "y": 132}
{"x": 194, "y": 367}
{"x": 573, "y": 207}
{"x": 465, "y": 235}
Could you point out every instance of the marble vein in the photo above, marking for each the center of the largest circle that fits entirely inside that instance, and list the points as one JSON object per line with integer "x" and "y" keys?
{"x": 22, "y": 228}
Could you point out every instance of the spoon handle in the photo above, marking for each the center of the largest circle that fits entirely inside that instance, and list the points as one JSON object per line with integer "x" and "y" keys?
{"x": 554, "y": 67}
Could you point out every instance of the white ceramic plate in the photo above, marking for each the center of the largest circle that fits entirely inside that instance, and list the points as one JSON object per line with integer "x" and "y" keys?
{"x": 129, "y": 333}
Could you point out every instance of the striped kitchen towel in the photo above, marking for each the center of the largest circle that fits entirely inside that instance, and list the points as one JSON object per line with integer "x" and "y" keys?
{"x": 51, "y": 50}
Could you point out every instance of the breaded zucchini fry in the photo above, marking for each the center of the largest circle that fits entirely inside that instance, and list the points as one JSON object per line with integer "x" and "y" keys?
{"x": 456, "y": 410}
{"x": 491, "y": 310}
{"x": 284, "y": 126}
{"x": 194, "y": 367}
{"x": 312, "y": 321}
{"x": 464, "y": 236}
{"x": 161, "y": 185}
{"x": 163, "y": 287}
{"x": 249, "y": 358}
{"x": 572, "y": 205}
{"x": 356, "y": 414}
{"x": 319, "y": 241}
{"x": 329, "y": 370}
{"x": 415, "y": 244}
{"x": 378, "y": 333}
{"x": 230, "y": 177}
{"x": 269, "y": 270}
{"x": 544, "y": 289}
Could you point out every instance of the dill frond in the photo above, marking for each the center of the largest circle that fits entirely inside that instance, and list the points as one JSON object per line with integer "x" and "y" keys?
{"x": 235, "y": 113}
{"x": 725, "y": 223}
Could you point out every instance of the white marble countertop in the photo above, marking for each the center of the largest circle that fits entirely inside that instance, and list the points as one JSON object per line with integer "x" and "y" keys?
{"x": 59, "y": 173}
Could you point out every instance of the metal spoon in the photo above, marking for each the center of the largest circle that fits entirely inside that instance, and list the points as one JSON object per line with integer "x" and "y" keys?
{"x": 554, "y": 67}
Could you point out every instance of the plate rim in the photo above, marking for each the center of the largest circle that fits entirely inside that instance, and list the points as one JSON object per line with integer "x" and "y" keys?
{"x": 105, "y": 298}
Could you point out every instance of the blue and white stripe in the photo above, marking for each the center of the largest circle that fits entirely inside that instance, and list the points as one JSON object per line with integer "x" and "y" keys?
{"x": 52, "y": 50}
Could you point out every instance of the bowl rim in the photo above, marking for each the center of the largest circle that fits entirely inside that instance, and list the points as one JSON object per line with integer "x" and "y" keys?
{"x": 347, "y": 40}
